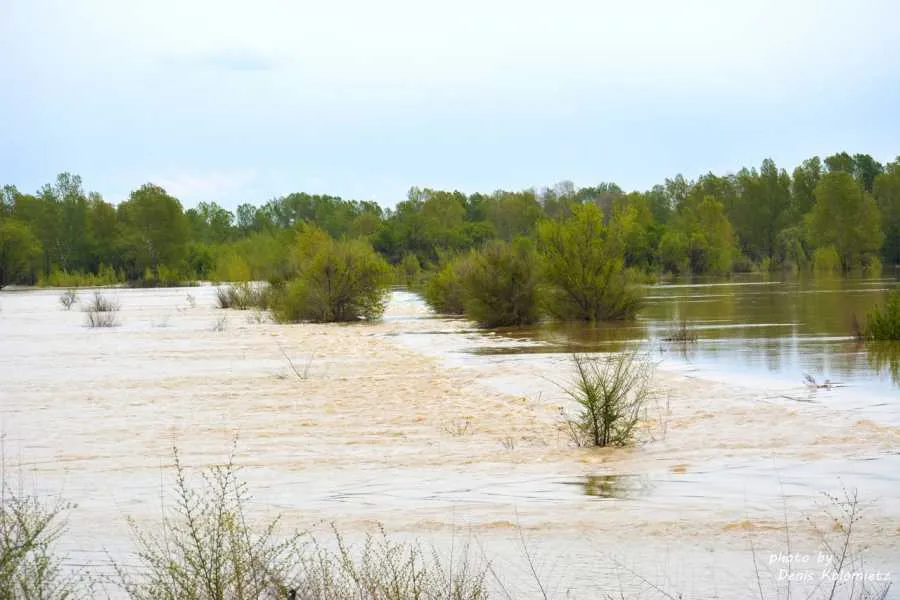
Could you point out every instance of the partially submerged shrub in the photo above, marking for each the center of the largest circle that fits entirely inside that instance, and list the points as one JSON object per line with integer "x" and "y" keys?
{"x": 68, "y": 299}
{"x": 243, "y": 296}
{"x": 681, "y": 332}
{"x": 335, "y": 281}
{"x": 444, "y": 291}
{"x": 584, "y": 268}
{"x": 409, "y": 271}
{"x": 101, "y": 311}
{"x": 883, "y": 323}
{"x": 501, "y": 285}
{"x": 826, "y": 260}
{"x": 610, "y": 392}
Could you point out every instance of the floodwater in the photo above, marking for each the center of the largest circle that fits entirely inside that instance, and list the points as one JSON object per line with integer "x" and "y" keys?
{"x": 439, "y": 431}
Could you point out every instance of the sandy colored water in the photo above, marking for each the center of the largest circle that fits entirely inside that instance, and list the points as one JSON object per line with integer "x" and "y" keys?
{"x": 394, "y": 423}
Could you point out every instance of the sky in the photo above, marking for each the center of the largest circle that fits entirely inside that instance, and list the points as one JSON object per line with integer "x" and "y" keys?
{"x": 233, "y": 102}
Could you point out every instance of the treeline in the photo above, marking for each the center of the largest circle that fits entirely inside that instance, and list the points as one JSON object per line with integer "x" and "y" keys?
{"x": 837, "y": 214}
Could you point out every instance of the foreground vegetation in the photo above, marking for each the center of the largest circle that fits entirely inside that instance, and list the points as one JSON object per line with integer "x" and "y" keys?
{"x": 205, "y": 548}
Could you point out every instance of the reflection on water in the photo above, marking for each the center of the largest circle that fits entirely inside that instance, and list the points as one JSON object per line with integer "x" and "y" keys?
{"x": 620, "y": 487}
{"x": 746, "y": 325}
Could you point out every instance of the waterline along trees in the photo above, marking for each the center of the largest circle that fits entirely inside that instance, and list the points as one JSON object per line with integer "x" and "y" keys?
{"x": 333, "y": 280}
{"x": 752, "y": 219}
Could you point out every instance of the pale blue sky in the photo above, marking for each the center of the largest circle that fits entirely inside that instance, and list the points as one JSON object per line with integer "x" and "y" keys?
{"x": 242, "y": 101}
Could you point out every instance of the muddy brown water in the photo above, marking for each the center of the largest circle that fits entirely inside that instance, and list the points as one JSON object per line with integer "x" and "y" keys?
{"x": 441, "y": 432}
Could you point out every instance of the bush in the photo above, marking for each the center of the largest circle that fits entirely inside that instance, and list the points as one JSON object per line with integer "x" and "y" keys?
{"x": 101, "y": 312}
{"x": 243, "y": 296}
{"x": 884, "y": 323}
{"x": 68, "y": 299}
{"x": 29, "y": 530}
{"x": 205, "y": 550}
{"x": 409, "y": 271}
{"x": 610, "y": 393}
{"x": 826, "y": 260}
{"x": 584, "y": 270}
{"x": 105, "y": 276}
{"x": 501, "y": 285}
{"x": 444, "y": 291}
{"x": 334, "y": 281}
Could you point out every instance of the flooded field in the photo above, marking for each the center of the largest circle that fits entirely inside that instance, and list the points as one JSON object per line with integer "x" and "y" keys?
{"x": 441, "y": 432}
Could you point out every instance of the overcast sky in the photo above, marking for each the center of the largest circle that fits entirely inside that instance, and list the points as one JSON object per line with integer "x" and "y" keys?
{"x": 242, "y": 101}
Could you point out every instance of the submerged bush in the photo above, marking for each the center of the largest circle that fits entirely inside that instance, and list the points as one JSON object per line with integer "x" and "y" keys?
{"x": 334, "y": 281}
{"x": 68, "y": 299}
{"x": 501, "y": 284}
{"x": 101, "y": 311}
{"x": 444, "y": 291}
{"x": 826, "y": 260}
{"x": 243, "y": 296}
{"x": 883, "y": 323}
{"x": 610, "y": 392}
{"x": 584, "y": 269}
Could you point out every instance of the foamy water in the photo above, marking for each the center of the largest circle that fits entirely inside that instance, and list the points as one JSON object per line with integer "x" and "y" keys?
{"x": 400, "y": 423}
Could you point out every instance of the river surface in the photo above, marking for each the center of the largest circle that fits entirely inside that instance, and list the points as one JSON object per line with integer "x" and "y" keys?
{"x": 440, "y": 431}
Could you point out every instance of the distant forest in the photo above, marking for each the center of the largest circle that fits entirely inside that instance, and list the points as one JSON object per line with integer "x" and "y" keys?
{"x": 840, "y": 214}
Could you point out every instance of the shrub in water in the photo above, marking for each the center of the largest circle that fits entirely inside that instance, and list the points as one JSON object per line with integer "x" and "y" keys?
{"x": 501, "y": 284}
{"x": 826, "y": 260}
{"x": 883, "y": 323}
{"x": 584, "y": 269}
{"x": 610, "y": 393}
{"x": 334, "y": 281}
{"x": 68, "y": 298}
{"x": 444, "y": 291}
{"x": 101, "y": 311}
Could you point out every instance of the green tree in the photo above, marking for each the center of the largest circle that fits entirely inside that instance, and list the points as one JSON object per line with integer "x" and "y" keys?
{"x": 501, "y": 284}
{"x": 700, "y": 239}
{"x": 20, "y": 251}
{"x": 887, "y": 197}
{"x": 803, "y": 188}
{"x": 333, "y": 281}
{"x": 583, "y": 266}
{"x": 846, "y": 218}
{"x": 154, "y": 231}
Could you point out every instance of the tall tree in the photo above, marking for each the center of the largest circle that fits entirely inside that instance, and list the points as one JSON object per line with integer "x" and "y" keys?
{"x": 845, "y": 217}
{"x": 887, "y": 197}
{"x": 155, "y": 230}
{"x": 20, "y": 251}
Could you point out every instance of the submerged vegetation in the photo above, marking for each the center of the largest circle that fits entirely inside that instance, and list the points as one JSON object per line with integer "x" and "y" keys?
{"x": 101, "y": 312}
{"x": 611, "y": 392}
{"x": 883, "y": 322}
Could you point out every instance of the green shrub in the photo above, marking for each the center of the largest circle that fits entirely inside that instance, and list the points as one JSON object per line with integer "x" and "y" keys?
{"x": 244, "y": 296}
{"x": 501, "y": 285}
{"x": 105, "y": 276}
{"x": 826, "y": 260}
{"x": 883, "y": 323}
{"x": 444, "y": 291}
{"x": 872, "y": 266}
{"x": 29, "y": 530}
{"x": 610, "y": 392}
{"x": 584, "y": 269}
{"x": 333, "y": 281}
{"x": 409, "y": 271}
